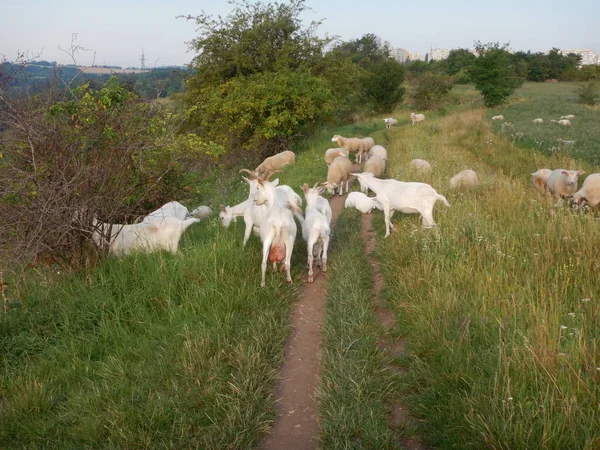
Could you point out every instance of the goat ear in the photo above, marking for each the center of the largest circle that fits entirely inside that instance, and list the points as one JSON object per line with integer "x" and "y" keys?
{"x": 275, "y": 182}
{"x": 305, "y": 188}
{"x": 222, "y": 207}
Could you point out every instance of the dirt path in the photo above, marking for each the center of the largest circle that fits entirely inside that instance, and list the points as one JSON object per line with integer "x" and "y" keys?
{"x": 393, "y": 347}
{"x": 296, "y": 426}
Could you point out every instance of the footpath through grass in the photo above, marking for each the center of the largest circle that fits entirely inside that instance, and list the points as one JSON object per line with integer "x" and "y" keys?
{"x": 500, "y": 306}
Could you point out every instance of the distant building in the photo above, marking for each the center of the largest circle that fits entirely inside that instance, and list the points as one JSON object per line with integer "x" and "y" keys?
{"x": 438, "y": 54}
{"x": 588, "y": 57}
{"x": 416, "y": 56}
{"x": 399, "y": 54}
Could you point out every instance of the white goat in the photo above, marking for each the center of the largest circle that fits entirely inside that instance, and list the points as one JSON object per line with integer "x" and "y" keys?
{"x": 339, "y": 171}
{"x": 176, "y": 209}
{"x": 277, "y": 229}
{"x": 417, "y": 118}
{"x": 401, "y": 196}
{"x": 144, "y": 236}
{"x": 315, "y": 231}
{"x": 231, "y": 213}
{"x": 361, "y": 202}
{"x": 276, "y": 162}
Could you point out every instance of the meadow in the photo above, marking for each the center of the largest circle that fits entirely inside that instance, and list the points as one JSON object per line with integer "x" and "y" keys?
{"x": 499, "y": 307}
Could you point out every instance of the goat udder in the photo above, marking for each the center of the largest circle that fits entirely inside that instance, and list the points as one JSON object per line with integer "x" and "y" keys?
{"x": 277, "y": 253}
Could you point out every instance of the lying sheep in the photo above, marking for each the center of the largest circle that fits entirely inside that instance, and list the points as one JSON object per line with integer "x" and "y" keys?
{"x": 417, "y": 118}
{"x": 333, "y": 153}
{"x": 568, "y": 117}
{"x": 352, "y": 145}
{"x": 563, "y": 183}
{"x": 361, "y": 202}
{"x": 339, "y": 171}
{"x": 589, "y": 192}
{"x": 563, "y": 122}
{"x": 467, "y": 178}
{"x": 390, "y": 122}
{"x": 377, "y": 150}
{"x": 420, "y": 165}
{"x": 498, "y": 117}
{"x": 538, "y": 120}
{"x": 539, "y": 178}
{"x": 201, "y": 212}
{"x": 276, "y": 162}
{"x": 375, "y": 165}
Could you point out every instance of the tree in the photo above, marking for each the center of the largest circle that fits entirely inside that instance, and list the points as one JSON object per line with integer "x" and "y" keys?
{"x": 494, "y": 73}
{"x": 430, "y": 88}
{"x": 458, "y": 60}
{"x": 384, "y": 85}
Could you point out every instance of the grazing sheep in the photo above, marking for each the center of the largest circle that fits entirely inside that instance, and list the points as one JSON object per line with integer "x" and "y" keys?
{"x": 563, "y": 183}
{"x": 417, "y": 118}
{"x": 467, "y": 178}
{"x": 420, "y": 165}
{"x": 144, "y": 236}
{"x": 538, "y": 120}
{"x": 390, "y": 122}
{"x": 333, "y": 153}
{"x": 339, "y": 171}
{"x": 276, "y": 162}
{"x": 315, "y": 230}
{"x": 375, "y": 165}
{"x": 498, "y": 117}
{"x": 201, "y": 212}
{"x": 361, "y": 202}
{"x": 377, "y": 150}
{"x": 568, "y": 117}
{"x": 394, "y": 195}
{"x": 589, "y": 192}
{"x": 352, "y": 145}
{"x": 563, "y": 122}
{"x": 539, "y": 178}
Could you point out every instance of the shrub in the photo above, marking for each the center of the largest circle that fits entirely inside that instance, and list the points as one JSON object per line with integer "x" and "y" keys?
{"x": 589, "y": 93}
{"x": 430, "y": 89}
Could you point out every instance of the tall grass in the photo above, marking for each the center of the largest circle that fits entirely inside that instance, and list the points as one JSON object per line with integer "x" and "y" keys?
{"x": 500, "y": 305}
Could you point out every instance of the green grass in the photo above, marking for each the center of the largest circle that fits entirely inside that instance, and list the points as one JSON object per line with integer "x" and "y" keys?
{"x": 503, "y": 346}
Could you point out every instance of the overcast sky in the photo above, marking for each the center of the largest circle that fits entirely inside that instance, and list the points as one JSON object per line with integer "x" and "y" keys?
{"x": 117, "y": 31}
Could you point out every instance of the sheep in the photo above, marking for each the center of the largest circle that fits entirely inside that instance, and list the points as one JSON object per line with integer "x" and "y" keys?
{"x": 352, "y": 145}
{"x": 377, "y": 150}
{"x": 538, "y": 120}
{"x": 201, "y": 212}
{"x": 420, "y": 165}
{"x": 563, "y": 122}
{"x": 277, "y": 228}
{"x": 339, "y": 171}
{"x": 407, "y": 197}
{"x": 563, "y": 183}
{"x": 315, "y": 230}
{"x": 144, "y": 236}
{"x": 568, "y": 117}
{"x": 467, "y": 178}
{"x": 390, "y": 122}
{"x": 276, "y": 162}
{"x": 361, "y": 202}
{"x": 498, "y": 117}
{"x": 367, "y": 144}
{"x": 417, "y": 118}
{"x": 589, "y": 192}
{"x": 538, "y": 178}
{"x": 231, "y": 213}
{"x": 374, "y": 165}
{"x": 333, "y": 153}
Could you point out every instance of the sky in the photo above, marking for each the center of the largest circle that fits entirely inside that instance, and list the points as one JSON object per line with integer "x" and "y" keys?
{"x": 116, "y": 32}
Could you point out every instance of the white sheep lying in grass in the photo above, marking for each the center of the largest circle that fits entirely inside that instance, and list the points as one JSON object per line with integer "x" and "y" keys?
{"x": 417, "y": 118}
{"x": 361, "y": 202}
{"x": 390, "y": 122}
{"x": 538, "y": 120}
{"x": 498, "y": 117}
{"x": 467, "y": 179}
{"x": 352, "y": 145}
{"x": 589, "y": 192}
{"x": 276, "y": 162}
{"x": 339, "y": 171}
{"x": 394, "y": 195}
{"x": 563, "y": 183}
{"x": 315, "y": 231}
{"x": 420, "y": 165}
{"x": 333, "y": 153}
{"x": 144, "y": 236}
{"x": 538, "y": 178}
{"x": 201, "y": 212}
{"x": 378, "y": 150}
{"x": 568, "y": 117}
{"x": 563, "y": 122}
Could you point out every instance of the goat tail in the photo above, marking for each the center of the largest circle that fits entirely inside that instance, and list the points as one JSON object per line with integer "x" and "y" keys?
{"x": 443, "y": 199}
{"x": 187, "y": 222}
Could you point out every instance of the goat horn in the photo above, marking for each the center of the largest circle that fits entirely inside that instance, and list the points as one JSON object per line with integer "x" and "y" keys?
{"x": 252, "y": 174}
{"x": 316, "y": 184}
{"x": 270, "y": 174}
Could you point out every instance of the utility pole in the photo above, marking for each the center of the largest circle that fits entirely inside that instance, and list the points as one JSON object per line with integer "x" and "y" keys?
{"x": 143, "y": 60}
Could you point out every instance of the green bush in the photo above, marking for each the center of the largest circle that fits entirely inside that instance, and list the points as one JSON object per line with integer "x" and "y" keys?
{"x": 589, "y": 93}
{"x": 430, "y": 89}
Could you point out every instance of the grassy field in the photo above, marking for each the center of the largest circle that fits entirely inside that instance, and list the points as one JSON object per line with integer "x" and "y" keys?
{"x": 500, "y": 305}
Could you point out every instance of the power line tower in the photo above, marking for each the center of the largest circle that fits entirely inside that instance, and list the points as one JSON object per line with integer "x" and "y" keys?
{"x": 143, "y": 60}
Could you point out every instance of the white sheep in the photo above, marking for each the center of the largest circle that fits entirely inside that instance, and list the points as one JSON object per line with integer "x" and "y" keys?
{"x": 589, "y": 192}
{"x": 390, "y": 122}
{"x": 563, "y": 122}
{"x": 420, "y": 165}
{"x": 367, "y": 144}
{"x": 361, "y": 202}
{"x": 568, "y": 117}
{"x": 333, "y": 153}
{"x": 277, "y": 229}
{"x": 538, "y": 120}
{"x": 498, "y": 117}
{"x": 201, "y": 212}
{"x": 417, "y": 118}
{"x": 375, "y": 165}
{"x": 352, "y": 145}
{"x": 144, "y": 236}
{"x": 378, "y": 150}
{"x": 315, "y": 231}
{"x": 339, "y": 171}
{"x": 231, "y": 213}
{"x": 467, "y": 178}
{"x": 563, "y": 183}
{"x": 538, "y": 179}
{"x": 407, "y": 197}
{"x": 276, "y": 162}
